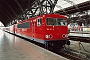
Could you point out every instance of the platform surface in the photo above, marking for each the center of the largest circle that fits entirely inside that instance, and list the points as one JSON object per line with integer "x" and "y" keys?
{"x": 15, "y": 48}
{"x": 79, "y": 33}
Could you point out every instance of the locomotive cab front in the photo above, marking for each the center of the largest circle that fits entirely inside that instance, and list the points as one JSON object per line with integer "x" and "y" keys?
{"x": 56, "y": 30}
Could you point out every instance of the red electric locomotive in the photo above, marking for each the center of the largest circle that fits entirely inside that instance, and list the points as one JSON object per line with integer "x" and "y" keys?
{"x": 48, "y": 29}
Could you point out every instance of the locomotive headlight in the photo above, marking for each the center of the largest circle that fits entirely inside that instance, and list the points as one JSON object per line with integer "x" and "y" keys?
{"x": 64, "y": 36}
{"x": 50, "y": 36}
{"x": 47, "y": 36}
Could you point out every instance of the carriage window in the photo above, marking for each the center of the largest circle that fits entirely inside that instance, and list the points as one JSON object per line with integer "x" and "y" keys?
{"x": 39, "y": 22}
{"x": 56, "y": 22}
{"x": 24, "y": 25}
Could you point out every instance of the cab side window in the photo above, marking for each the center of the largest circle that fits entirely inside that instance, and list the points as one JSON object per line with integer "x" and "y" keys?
{"x": 39, "y": 22}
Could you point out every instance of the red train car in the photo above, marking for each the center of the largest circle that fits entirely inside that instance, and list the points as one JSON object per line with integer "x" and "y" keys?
{"x": 48, "y": 29}
{"x": 12, "y": 29}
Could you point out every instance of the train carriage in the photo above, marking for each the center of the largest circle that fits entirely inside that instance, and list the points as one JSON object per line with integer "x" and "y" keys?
{"x": 12, "y": 29}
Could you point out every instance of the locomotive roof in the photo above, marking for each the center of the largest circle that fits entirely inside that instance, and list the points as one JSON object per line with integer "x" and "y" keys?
{"x": 63, "y": 16}
{"x": 48, "y": 15}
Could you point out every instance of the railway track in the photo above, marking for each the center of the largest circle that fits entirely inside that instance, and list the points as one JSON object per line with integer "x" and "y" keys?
{"x": 72, "y": 55}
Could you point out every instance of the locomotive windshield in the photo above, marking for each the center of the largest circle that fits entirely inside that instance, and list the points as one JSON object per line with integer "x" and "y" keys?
{"x": 56, "y": 22}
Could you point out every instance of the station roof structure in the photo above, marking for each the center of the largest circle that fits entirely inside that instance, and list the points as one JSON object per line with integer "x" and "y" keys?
{"x": 69, "y": 7}
{"x": 10, "y": 9}
{"x": 13, "y": 9}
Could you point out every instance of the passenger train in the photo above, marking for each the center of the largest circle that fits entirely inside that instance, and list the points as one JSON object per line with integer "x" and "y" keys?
{"x": 48, "y": 29}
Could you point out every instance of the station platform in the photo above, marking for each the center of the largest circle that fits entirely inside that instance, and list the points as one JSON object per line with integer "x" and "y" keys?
{"x": 79, "y": 33}
{"x": 15, "y": 48}
{"x": 82, "y": 36}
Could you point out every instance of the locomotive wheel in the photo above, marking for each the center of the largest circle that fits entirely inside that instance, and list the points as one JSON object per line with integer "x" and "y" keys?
{"x": 68, "y": 42}
{"x": 48, "y": 46}
{"x": 53, "y": 46}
